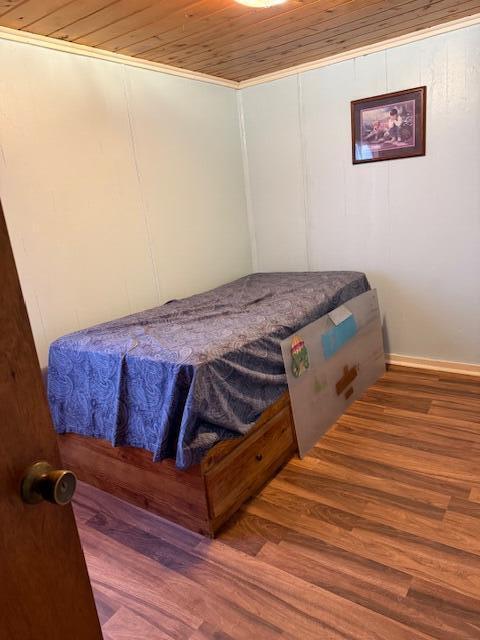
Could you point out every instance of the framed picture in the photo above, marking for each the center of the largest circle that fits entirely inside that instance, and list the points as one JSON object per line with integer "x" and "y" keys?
{"x": 390, "y": 126}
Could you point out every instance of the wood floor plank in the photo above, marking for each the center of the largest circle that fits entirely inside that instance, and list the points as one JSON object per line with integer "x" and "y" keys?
{"x": 431, "y": 436}
{"x": 439, "y": 466}
{"x": 430, "y": 443}
{"x": 475, "y": 494}
{"x": 374, "y": 535}
{"x": 400, "y": 550}
{"x": 468, "y": 507}
{"x": 243, "y": 592}
{"x": 440, "y": 598}
{"x": 299, "y": 490}
{"x": 126, "y": 625}
{"x": 164, "y": 587}
{"x": 105, "y": 607}
{"x": 462, "y": 411}
{"x": 209, "y": 632}
{"x": 345, "y": 562}
{"x": 470, "y": 379}
{"x": 336, "y": 616}
{"x": 90, "y": 502}
{"x": 243, "y": 608}
{"x": 389, "y": 400}
{"x": 463, "y": 530}
{"x": 306, "y": 525}
{"x": 430, "y": 390}
{"x": 323, "y": 482}
{"x": 459, "y": 536}
{"x": 442, "y": 625}
{"x": 419, "y": 479}
{"x": 144, "y": 608}
{"x": 422, "y": 423}
{"x": 275, "y": 595}
{"x": 419, "y": 556}
{"x": 302, "y": 501}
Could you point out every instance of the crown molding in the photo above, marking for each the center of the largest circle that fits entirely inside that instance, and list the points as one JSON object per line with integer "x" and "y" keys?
{"x": 366, "y": 50}
{"x": 91, "y": 52}
{"x": 46, "y": 42}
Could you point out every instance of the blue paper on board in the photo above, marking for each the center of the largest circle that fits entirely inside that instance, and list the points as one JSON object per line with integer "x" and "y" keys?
{"x": 336, "y": 337}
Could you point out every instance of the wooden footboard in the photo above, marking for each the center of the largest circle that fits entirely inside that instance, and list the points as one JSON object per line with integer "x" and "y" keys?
{"x": 206, "y": 495}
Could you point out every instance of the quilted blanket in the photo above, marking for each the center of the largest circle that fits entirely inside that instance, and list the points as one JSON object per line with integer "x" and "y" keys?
{"x": 177, "y": 379}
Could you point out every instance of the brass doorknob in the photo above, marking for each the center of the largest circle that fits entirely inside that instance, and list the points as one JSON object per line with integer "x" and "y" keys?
{"x": 42, "y": 482}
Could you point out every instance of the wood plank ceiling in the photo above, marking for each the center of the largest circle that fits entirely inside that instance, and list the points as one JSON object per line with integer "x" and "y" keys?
{"x": 226, "y": 39}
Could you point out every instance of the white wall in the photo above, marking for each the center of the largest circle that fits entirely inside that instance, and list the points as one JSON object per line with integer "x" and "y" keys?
{"x": 412, "y": 225}
{"x": 122, "y": 187}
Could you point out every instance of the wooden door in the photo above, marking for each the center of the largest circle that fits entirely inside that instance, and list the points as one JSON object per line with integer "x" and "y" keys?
{"x": 44, "y": 587}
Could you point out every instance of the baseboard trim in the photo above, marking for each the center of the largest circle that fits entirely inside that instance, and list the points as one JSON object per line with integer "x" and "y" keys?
{"x": 433, "y": 365}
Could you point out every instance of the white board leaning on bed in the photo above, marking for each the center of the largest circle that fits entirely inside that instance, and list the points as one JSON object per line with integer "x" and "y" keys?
{"x": 330, "y": 363}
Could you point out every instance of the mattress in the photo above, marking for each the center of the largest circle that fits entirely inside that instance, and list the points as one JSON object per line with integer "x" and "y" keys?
{"x": 179, "y": 378}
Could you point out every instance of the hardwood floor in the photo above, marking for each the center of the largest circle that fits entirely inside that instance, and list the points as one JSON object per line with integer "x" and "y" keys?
{"x": 373, "y": 536}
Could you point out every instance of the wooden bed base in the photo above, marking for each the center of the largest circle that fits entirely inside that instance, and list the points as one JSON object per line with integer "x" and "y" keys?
{"x": 206, "y": 495}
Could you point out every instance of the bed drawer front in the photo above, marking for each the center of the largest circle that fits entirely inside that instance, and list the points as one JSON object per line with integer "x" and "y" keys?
{"x": 246, "y": 469}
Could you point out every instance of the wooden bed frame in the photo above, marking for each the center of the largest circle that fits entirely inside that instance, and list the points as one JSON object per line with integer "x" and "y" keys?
{"x": 201, "y": 498}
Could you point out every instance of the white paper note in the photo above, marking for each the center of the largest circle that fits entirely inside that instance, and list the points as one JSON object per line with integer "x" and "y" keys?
{"x": 338, "y": 315}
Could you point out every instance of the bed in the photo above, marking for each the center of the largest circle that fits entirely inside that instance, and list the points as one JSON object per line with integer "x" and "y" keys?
{"x": 183, "y": 409}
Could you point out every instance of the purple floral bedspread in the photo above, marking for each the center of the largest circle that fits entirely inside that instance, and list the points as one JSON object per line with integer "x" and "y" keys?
{"x": 178, "y": 378}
